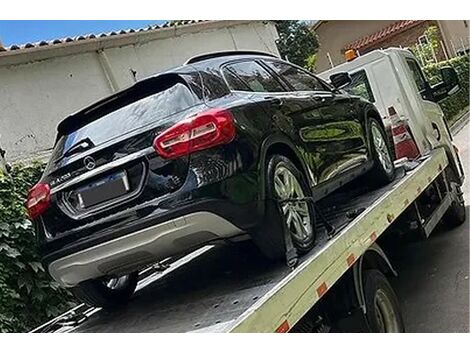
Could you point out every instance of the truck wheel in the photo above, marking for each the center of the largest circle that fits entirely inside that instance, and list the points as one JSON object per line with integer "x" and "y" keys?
{"x": 285, "y": 181}
{"x": 383, "y": 171}
{"x": 106, "y": 293}
{"x": 456, "y": 214}
{"x": 383, "y": 310}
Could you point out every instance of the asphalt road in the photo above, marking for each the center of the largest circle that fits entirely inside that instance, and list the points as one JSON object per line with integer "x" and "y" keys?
{"x": 433, "y": 282}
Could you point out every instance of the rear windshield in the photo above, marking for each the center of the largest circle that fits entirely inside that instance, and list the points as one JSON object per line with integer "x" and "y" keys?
{"x": 144, "y": 110}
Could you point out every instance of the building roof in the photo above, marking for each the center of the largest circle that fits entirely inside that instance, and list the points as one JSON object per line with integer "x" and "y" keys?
{"x": 394, "y": 28}
{"x": 32, "y": 52}
{"x": 92, "y": 36}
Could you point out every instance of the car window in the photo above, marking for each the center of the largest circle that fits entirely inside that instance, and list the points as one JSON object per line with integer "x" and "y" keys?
{"x": 131, "y": 116}
{"x": 299, "y": 79}
{"x": 251, "y": 76}
{"x": 234, "y": 81}
{"x": 417, "y": 74}
{"x": 360, "y": 86}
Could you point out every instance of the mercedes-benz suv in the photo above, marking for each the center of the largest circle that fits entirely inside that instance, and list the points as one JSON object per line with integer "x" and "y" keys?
{"x": 218, "y": 148}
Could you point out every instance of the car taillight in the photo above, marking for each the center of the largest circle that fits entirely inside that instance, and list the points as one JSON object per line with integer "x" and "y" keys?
{"x": 39, "y": 199}
{"x": 205, "y": 130}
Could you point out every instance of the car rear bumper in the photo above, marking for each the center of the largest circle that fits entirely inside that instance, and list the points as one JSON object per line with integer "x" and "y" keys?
{"x": 129, "y": 252}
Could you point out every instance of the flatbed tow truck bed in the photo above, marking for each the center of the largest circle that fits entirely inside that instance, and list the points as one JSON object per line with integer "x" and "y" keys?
{"x": 233, "y": 289}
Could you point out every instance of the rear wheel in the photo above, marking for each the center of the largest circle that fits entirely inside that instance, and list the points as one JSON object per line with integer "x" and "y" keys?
{"x": 285, "y": 182}
{"x": 383, "y": 171}
{"x": 383, "y": 310}
{"x": 107, "y": 292}
{"x": 456, "y": 214}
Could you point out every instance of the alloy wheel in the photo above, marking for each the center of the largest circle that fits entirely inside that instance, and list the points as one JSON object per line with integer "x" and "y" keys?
{"x": 296, "y": 213}
{"x": 381, "y": 148}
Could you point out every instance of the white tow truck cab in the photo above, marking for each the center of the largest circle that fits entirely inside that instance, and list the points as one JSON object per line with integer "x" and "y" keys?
{"x": 393, "y": 80}
{"x": 342, "y": 284}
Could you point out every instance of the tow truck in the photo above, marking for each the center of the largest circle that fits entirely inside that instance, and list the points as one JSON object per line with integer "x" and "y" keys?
{"x": 342, "y": 285}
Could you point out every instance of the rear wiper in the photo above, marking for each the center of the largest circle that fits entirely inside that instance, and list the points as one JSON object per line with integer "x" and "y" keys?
{"x": 78, "y": 147}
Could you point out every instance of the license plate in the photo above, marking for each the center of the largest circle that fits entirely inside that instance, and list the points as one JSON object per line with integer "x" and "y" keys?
{"x": 103, "y": 190}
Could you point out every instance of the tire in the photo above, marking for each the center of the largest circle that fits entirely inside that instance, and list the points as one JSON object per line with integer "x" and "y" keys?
{"x": 97, "y": 293}
{"x": 270, "y": 238}
{"x": 383, "y": 170}
{"x": 456, "y": 214}
{"x": 383, "y": 310}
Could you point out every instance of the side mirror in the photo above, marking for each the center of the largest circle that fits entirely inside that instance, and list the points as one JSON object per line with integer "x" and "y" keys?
{"x": 450, "y": 80}
{"x": 340, "y": 80}
{"x": 448, "y": 86}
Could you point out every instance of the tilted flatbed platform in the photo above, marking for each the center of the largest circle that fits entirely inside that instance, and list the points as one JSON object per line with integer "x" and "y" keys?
{"x": 233, "y": 289}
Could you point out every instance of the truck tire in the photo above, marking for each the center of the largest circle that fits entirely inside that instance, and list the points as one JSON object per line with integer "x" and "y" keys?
{"x": 383, "y": 171}
{"x": 106, "y": 294}
{"x": 383, "y": 312}
{"x": 297, "y": 218}
{"x": 456, "y": 214}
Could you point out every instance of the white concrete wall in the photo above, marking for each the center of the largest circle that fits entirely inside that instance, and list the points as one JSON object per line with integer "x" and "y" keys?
{"x": 35, "y": 96}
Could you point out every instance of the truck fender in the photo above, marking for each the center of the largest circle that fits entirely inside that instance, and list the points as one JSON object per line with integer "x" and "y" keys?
{"x": 375, "y": 258}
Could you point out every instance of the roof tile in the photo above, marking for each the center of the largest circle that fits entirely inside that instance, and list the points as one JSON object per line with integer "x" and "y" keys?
{"x": 93, "y": 36}
{"x": 393, "y": 28}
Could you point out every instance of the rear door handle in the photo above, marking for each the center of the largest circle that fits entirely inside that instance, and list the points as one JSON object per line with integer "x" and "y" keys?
{"x": 319, "y": 99}
{"x": 277, "y": 102}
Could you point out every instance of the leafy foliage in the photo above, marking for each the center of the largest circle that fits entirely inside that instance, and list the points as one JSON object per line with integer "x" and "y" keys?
{"x": 296, "y": 41}
{"x": 311, "y": 62}
{"x": 454, "y": 104}
{"x": 28, "y": 297}
{"x": 426, "y": 52}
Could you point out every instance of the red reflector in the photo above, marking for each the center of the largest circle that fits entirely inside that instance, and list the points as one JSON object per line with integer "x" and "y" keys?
{"x": 400, "y": 129}
{"x": 39, "y": 199}
{"x": 406, "y": 149}
{"x": 321, "y": 290}
{"x": 205, "y": 130}
{"x": 373, "y": 236}
{"x": 350, "y": 259}
{"x": 284, "y": 327}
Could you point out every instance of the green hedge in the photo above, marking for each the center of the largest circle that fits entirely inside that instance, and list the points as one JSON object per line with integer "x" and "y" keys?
{"x": 453, "y": 105}
{"x": 28, "y": 297}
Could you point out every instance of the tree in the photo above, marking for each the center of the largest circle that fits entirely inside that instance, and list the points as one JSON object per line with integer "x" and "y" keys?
{"x": 426, "y": 52}
{"x": 297, "y": 42}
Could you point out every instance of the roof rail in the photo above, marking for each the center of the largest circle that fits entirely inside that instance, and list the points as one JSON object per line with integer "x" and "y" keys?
{"x": 208, "y": 56}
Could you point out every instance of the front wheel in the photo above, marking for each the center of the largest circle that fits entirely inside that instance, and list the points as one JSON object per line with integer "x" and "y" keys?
{"x": 285, "y": 184}
{"x": 383, "y": 171}
{"x": 107, "y": 293}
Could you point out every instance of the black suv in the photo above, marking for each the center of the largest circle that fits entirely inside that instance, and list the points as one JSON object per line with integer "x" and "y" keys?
{"x": 201, "y": 153}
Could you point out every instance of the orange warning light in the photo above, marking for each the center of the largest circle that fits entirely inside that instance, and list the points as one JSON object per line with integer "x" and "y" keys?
{"x": 350, "y": 55}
